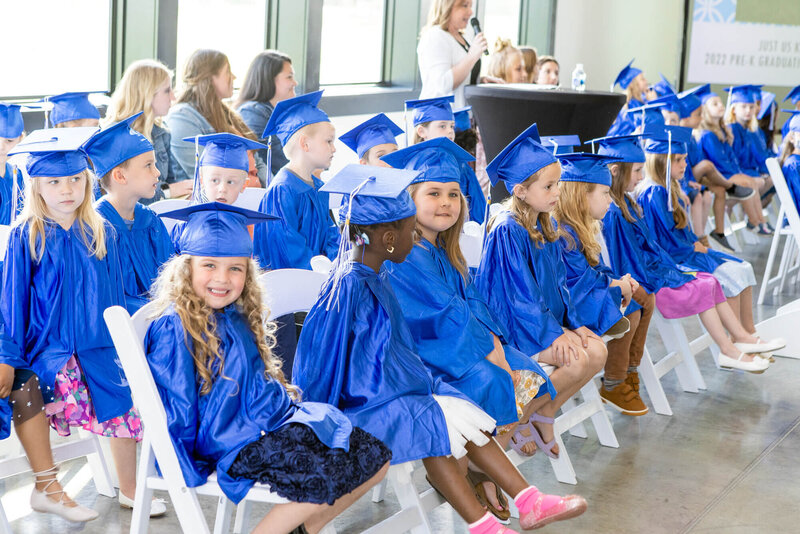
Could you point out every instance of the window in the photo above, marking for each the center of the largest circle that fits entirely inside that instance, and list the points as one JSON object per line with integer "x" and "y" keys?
{"x": 501, "y": 19}
{"x": 351, "y": 42}
{"x": 234, "y": 27}
{"x": 55, "y": 46}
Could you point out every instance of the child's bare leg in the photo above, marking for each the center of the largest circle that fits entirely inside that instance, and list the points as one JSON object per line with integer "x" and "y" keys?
{"x": 283, "y": 518}
{"x": 735, "y": 304}
{"x": 698, "y": 215}
{"x": 34, "y": 434}
{"x": 124, "y": 452}
{"x": 746, "y": 310}
{"x": 446, "y": 477}
{"x": 718, "y": 207}
{"x": 493, "y": 461}
{"x": 713, "y": 321}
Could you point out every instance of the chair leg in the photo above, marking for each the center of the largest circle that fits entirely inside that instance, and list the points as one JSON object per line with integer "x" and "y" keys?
{"x": 562, "y": 466}
{"x": 98, "y": 463}
{"x": 5, "y": 526}
{"x": 578, "y": 430}
{"x": 600, "y": 421}
{"x": 406, "y": 492}
{"x": 140, "y": 518}
{"x": 241, "y": 524}
{"x": 379, "y": 491}
{"x": 652, "y": 385}
{"x": 766, "y": 283}
{"x": 222, "y": 523}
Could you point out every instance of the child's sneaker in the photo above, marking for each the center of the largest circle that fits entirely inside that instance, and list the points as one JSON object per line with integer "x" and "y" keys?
{"x": 721, "y": 242}
{"x": 624, "y": 399}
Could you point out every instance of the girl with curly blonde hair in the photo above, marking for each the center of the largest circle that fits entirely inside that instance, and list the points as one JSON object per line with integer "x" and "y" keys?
{"x": 229, "y": 406}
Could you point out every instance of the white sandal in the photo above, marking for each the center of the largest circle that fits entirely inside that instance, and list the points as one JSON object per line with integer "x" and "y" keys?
{"x": 756, "y": 365}
{"x": 40, "y": 502}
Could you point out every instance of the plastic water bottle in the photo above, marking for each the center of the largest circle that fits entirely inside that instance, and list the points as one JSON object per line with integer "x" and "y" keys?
{"x": 578, "y": 78}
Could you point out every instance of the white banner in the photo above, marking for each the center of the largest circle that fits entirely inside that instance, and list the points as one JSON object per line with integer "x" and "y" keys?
{"x": 741, "y": 52}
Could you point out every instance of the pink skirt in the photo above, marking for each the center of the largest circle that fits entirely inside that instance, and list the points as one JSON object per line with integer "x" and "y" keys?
{"x": 699, "y": 295}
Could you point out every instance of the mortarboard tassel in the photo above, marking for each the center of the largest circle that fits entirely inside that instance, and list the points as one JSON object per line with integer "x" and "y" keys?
{"x": 16, "y": 193}
{"x": 198, "y": 197}
{"x": 269, "y": 159}
{"x": 669, "y": 171}
{"x": 555, "y": 147}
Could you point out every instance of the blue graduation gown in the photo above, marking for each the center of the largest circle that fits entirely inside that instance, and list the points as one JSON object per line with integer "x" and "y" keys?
{"x": 744, "y": 151}
{"x": 525, "y": 286}
{"x": 758, "y": 145}
{"x": 453, "y": 327}
{"x": 304, "y": 229}
{"x": 142, "y": 249}
{"x": 678, "y": 242}
{"x": 208, "y": 431}
{"x": 596, "y": 303}
{"x": 6, "y": 192}
{"x": 791, "y": 171}
{"x": 720, "y": 154}
{"x": 632, "y": 250}
{"x": 623, "y": 124}
{"x": 694, "y": 155}
{"x": 53, "y": 309}
{"x": 471, "y": 188}
{"x": 357, "y": 354}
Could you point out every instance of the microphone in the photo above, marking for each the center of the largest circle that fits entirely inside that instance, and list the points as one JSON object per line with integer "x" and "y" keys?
{"x": 476, "y": 27}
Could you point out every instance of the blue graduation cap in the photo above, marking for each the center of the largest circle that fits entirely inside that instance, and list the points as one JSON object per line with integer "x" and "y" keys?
{"x": 216, "y": 230}
{"x": 669, "y": 140}
{"x": 767, "y": 101}
{"x": 436, "y": 160}
{"x": 72, "y": 107}
{"x": 626, "y": 148}
{"x": 562, "y": 144}
{"x": 378, "y": 130}
{"x": 794, "y": 121}
{"x": 755, "y": 89}
{"x": 794, "y": 95}
{"x": 740, "y": 94}
{"x": 670, "y": 101}
{"x": 663, "y": 87}
{"x": 463, "y": 122}
{"x": 586, "y": 167}
{"x": 372, "y": 195}
{"x": 432, "y": 109}
{"x": 520, "y": 159}
{"x": 626, "y": 75}
{"x": 703, "y": 92}
{"x": 648, "y": 116}
{"x": 55, "y": 153}
{"x": 688, "y": 103}
{"x": 116, "y": 144}
{"x": 225, "y": 150}
{"x": 11, "y": 124}
{"x": 292, "y": 114}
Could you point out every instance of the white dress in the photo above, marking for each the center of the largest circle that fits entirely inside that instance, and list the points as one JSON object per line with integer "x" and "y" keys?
{"x": 437, "y": 53}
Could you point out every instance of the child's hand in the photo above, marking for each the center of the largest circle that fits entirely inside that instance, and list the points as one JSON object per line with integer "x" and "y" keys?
{"x": 695, "y": 185}
{"x": 564, "y": 350}
{"x": 585, "y": 334}
{"x": 625, "y": 287}
{"x": 6, "y": 380}
{"x": 180, "y": 189}
{"x": 699, "y": 247}
{"x": 634, "y": 284}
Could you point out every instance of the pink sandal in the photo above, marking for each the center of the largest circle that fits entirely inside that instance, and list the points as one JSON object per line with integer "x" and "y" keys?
{"x": 569, "y": 506}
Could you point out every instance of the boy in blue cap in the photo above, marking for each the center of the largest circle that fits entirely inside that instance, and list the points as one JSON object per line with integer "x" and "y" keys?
{"x": 11, "y": 133}
{"x": 124, "y": 161}
{"x": 373, "y": 139}
{"x": 72, "y": 110}
{"x": 304, "y": 227}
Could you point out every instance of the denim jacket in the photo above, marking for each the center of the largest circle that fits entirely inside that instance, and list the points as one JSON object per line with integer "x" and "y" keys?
{"x": 256, "y": 115}
{"x": 165, "y": 162}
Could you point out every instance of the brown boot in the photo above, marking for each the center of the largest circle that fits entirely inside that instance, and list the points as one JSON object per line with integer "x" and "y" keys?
{"x": 624, "y": 399}
{"x": 633, "y": 380}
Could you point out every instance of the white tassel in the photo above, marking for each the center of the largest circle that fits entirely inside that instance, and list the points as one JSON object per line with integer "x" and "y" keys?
{"x": 670, "y": 207}
{"x": 198, "y": 197}
{"x": 555, "y": 146}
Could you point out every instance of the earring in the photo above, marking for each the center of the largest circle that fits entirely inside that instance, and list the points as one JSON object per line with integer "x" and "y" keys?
{"x": 390, "y": 250}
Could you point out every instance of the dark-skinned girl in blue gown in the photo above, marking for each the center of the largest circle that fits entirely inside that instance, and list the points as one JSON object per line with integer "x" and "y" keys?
{"x": 304, "y": 227}
{"x": 356, "y": 352}
{"x": 144, "y": 243}
{"x": 242, "y": 420}
{"x": 451, "y": 324}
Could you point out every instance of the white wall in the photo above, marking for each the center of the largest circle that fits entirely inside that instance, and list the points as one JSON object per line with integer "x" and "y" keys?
{"x": 605, "y": 35}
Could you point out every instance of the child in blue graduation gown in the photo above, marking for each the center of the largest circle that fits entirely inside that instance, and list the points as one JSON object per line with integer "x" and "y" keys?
{"x": 60, "y": 272}
{"x": 716, "y": 141}
{"x": 635, "y": 85}
{"x": 373, "y": 139}
{"x": 667, "y": 220}
{"x": 632, "y": 249}
{"x": 356, "y": 352}
{"x": 126, "y": 164}
{"x": 11, "y": 128}
{"x": 583, "y": 201}
{"x": 522, "y": 276}
{"x": 73, "y": 110}
{"x": 746, "y": 134}
{"x": 304, "y": 227}
{"x": 790, "y": 158}
{"x": 457, "y": 337}
{"x": 434, "y": 118}
{"x": 229, "y": 408}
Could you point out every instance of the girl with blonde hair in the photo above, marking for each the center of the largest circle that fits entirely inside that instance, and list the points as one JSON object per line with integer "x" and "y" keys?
{"x": 61, "y": 272}
{"x": 146, "y": 86}
{"x": 201, "y": 110}
{"x": 508, "y": 63}
{"x": 229, "y": 406}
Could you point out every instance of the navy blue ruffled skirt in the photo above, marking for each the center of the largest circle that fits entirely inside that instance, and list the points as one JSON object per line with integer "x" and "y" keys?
{"x": 299, "y": 467}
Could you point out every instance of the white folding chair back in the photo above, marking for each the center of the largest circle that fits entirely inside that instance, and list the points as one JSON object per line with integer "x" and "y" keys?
{"x": 250, "y": 198}
{"x": 471, "y": 243}
{"x": 169, "y": 204}
{"x": 290, "y": 290}
{"x": 495, "y": 208}
{"x": 5, "y": 231}
{"x": 128, "y": 336}
{"x": 334, "y": 201}
{"x": 321, "y": 264}
{"x": 788, "y": 260}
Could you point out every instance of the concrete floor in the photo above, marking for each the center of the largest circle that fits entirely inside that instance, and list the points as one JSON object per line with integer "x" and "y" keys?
{"x": 723, "y": 463}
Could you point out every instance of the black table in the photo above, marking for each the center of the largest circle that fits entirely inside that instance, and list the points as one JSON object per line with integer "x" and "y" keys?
{"x": 504, "y": 111}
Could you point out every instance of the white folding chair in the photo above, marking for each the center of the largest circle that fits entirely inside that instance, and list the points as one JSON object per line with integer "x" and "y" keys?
{"x": 334, "y": 201}
{"x": 250, "y": 198}
{"x": 128, "y": 336}
{"x": 5, "y": 231}
{"x": 471, "y": 243}
{"x": 321, "y": 264}
{"x": 788, "y": 260}
{"x": 169, "y": 204}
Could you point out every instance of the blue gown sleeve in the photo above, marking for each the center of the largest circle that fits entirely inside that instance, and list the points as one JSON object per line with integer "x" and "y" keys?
{"x": 172, "y": 367}
{"x": 16, "y": 300}
{"x": 506, "y": 282}
{"x": 791, "y": 171}
{"x": 472, "y": 190}
{"x": 287, "y": 245}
